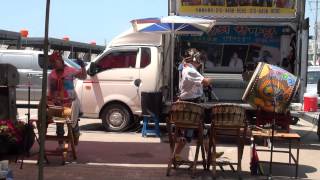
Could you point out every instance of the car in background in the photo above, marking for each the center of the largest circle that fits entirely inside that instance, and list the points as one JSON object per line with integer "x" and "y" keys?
{"x": 29, "y": 64}
{"x": 313, "y": 76}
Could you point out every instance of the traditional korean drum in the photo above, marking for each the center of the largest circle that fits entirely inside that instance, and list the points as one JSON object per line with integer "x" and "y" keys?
{"x": 228, "y": 115}
{"x": 187, "y": 114}
{"x": 59, "y": 111}
{"x": 269, "y": 84}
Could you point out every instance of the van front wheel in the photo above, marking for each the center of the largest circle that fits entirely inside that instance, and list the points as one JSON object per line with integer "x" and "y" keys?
{"x": 115, "y": 118}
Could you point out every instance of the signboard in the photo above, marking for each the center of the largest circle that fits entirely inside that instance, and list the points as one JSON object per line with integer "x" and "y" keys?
{"x": 238, "y": 8}
{"x": 223, "y": 34}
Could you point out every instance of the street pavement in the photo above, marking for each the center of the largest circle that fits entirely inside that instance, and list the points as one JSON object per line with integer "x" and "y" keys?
{"x": 105, "y": 155}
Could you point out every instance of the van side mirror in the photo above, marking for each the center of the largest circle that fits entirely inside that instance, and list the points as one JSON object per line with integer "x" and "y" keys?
{"x": 92, "y": 69}
{"x": 137, "y": 82}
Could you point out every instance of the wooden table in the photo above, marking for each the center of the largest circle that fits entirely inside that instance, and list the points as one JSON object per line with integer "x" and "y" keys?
{"x": 287, "y": 137}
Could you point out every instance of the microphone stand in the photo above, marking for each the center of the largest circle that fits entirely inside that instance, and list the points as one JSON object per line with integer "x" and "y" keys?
{"x": 28, "y": 128}
{"x": 272, "y": 127}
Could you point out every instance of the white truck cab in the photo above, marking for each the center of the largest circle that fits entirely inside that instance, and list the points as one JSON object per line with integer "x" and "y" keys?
{"x": 112, "y": 91}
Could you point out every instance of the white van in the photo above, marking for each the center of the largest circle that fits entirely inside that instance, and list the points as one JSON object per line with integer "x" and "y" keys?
{"x": 313, "y": 76}
{"x": 112, "y": 91}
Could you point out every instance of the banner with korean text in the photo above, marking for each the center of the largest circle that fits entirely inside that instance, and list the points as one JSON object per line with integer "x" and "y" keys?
{"x": 238, "y": 8}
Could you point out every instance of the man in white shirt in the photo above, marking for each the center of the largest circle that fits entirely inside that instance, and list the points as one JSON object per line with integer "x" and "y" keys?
{"x": 191, "y": 90}
{"x": 191, "y": 81}
{"x": 236, "y": 62}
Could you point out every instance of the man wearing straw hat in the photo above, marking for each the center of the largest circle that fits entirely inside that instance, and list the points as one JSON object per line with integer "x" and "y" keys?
{"x": 61, "y": 90}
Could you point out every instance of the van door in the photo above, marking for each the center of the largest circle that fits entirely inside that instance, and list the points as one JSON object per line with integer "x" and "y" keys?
{"x": 114, "y": 81}
{"x": 149, "y": 69}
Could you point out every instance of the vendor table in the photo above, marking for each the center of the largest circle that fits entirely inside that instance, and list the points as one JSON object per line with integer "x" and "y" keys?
{"x": 286, "y": 137}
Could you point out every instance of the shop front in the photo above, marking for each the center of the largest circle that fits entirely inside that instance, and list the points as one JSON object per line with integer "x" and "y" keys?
{"x": 236, "y": 49}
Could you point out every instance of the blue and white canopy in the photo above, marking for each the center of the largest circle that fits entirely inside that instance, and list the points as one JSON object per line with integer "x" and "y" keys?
{"x": 174, "y": 25}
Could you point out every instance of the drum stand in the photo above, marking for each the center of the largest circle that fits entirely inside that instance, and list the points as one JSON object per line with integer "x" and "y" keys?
{"x": 29, "y": 129}
{"x": 272, "y": 129}
{"x": 272, "y": 139}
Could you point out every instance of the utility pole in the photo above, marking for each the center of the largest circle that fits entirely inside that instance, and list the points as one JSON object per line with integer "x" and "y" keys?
{"x": 43, "y": 107}
{"x": 315, "y": 56}
{"x": 169, "y": 7}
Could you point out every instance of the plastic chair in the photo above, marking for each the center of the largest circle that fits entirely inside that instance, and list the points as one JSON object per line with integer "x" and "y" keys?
{"x": 228, "y": 121}
{"x": 185, "y": 115}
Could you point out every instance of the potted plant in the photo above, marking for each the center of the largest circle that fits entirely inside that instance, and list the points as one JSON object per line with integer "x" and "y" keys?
{"x": 8, "y": 136}
{"x": 13, "y": 137}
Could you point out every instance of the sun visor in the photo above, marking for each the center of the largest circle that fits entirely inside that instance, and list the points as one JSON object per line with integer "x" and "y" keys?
{"x": 139, "y": 38}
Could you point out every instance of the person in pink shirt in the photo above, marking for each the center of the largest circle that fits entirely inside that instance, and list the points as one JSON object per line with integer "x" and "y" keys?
{"x": 61, "y": 90}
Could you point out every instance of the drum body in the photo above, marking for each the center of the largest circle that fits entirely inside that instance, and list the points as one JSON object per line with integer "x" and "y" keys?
{"x": 271, "y": 88}
{"x": 228, "y": 115}
{"x": 59, "y": 111}
{"x": 186, "y": 114}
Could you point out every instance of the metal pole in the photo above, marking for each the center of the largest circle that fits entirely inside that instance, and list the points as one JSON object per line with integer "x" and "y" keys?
{"x": 172, "y": 64}
{"x": 19, "y": 42}
{"x": 169, "y": 7}
{"x": 43, "y": 107}
{"x": 171, "y": 51}
{"x": 272, "y": 141}
{"x": 302, "y": 47}
{"x": 315, "y": 57}
{"x": 272, "y": 125}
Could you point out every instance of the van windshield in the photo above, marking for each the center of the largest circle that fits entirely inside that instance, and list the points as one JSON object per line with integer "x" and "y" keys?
{"x": 313, "y": 77}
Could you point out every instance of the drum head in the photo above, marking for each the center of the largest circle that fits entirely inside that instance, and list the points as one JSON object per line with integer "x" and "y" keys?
{"x": 252, "y": 81}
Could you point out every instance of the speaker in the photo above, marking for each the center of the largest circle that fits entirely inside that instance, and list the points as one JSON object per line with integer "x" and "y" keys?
{"x": 151, "y": 101}
{"x": 8, "y": 108}
{"x": 9, "y": 75}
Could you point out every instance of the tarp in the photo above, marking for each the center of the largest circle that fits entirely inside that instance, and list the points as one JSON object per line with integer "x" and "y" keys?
{"x": 148, "y": 39}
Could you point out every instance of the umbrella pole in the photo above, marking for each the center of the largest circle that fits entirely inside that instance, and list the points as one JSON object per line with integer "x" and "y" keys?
{"x": 43, "y": 113}
{"x": 172, "y": 64}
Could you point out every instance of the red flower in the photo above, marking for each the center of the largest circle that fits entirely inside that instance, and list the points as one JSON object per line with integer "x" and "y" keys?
{"x": 13, "y": 132}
